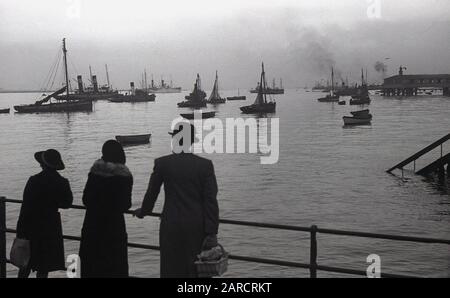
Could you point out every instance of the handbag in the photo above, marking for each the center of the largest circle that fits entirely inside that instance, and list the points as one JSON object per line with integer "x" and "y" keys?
{"x": 20, "y": 253}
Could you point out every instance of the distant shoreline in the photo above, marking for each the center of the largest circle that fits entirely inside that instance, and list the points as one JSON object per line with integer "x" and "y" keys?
{"x": 25, "y": 91}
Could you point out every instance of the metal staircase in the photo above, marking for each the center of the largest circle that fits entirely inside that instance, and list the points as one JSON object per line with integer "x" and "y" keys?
{"x": 442, "y": 161}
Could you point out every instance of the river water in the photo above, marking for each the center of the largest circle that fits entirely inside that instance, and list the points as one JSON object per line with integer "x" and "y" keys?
{"x": 327, "y": 175}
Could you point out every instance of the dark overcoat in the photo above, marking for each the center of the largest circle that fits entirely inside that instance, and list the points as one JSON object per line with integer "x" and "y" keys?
{"x": 107, "y": 195}
{"x": 40, "y": 222}
{"x": 190, "y": 210}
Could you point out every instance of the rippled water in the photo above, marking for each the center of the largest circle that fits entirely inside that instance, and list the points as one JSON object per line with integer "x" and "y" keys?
{"x": 327, "y": 175}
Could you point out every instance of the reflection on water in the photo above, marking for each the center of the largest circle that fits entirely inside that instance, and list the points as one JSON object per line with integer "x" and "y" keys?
{"x": 326, "y": 175}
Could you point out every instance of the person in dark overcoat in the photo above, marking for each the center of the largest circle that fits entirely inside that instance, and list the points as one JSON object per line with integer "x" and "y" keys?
{"x": 190, "y": 214}
{"x": 107, "y": 196}
{"x": 39, "y": 219}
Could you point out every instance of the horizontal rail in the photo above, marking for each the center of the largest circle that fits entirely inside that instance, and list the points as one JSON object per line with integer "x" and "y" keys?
{"x": 233, "y": 257}
{"x": 384, "y": 236}
{"x": 359, "y": 272}
{"x": 312, "y": 267}
{"x": 302, "y": 229}
{"x": 259, "y": 260}
{"x": 420, "y": 153}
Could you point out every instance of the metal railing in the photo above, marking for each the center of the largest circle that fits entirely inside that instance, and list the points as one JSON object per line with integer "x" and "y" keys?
{"x": 419, "y": 154}
{"x": 312, "y": 266}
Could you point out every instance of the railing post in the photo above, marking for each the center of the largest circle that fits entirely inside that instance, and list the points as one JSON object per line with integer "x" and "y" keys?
{"x": 313, "y": 253}
{"x": 2, "y": 238}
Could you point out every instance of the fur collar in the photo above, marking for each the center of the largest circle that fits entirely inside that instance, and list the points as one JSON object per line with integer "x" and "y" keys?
{"x": 109, "y": 169}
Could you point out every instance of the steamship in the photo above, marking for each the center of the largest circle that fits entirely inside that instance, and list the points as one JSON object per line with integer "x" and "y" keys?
{"x": 135, "y": 95}
{"x": 270, "y": 90}
{"x": 163, "y": 88}
{"x": 94, "y": 91}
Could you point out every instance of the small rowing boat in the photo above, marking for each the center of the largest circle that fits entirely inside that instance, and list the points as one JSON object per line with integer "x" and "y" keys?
{"x": 359, "y": 118}
{"x": 352, "y": 121}
{"x": 4, "y": 111}
{"x": 205, "y": 115}
{"x": 134, "y": 139}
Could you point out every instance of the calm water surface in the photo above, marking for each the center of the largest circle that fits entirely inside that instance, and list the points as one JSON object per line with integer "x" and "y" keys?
{"x": 327, "y": 175}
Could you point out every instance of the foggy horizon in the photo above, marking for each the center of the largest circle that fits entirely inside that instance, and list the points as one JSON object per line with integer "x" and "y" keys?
{"x": 299, "y": 41}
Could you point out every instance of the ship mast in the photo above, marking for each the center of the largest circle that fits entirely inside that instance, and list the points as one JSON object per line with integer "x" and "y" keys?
{"x": 66, "y": 73}
{"x": 332, "y": 81}
{"x": 145, "y": 80}
{"x": 263, "y": 84}
{"x": 362, "y": 76}
{"x": 107, "y": 76}
{"x": 90, "y": 74}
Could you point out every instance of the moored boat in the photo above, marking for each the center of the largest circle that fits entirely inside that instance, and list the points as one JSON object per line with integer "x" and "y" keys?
{"x": 204, "y": 115}
{"x": 163, "y": 88}
{"x": 215, "y": 97}
{"x": 4, "y": 111}
{"x": 196, "y": 99}
{"x": 331, "y": 97}
{"x": 362, "y": 97}
{"x": 192, "y": 104}
{"x": 261, "y": 105}
{"x": 363, "y": 113}
{"x": 356, "y": 121}
{"x": 238, "y": 97}
{"x": 135, "y": 95}
{"x": 359, "y": 118}
{"x": 63, "y": 103}
{"x": 360, "y": 100}
{"x": 134, "y": 139}
{"x": 93, "y": 92}
{"x": 56, "y": 107}
{"x": 274, "y": 90}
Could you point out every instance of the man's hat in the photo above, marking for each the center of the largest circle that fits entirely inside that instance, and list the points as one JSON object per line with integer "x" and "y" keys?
{"x": 50, "y": 158}
{"x": 180, "y": 126}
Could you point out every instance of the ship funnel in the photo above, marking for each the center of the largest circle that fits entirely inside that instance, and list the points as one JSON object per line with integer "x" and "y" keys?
{"x": 94, "y": 83}
{"x": 133, "y": 90}
{"x": 80, "y": 84}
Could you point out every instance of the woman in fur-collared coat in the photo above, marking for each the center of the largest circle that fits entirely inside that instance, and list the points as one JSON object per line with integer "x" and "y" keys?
{"x": 107, "y": 195}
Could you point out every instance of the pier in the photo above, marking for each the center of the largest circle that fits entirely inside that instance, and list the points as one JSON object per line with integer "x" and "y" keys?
{"x": 313, "y": 266}
{"x": 409, "y": 85}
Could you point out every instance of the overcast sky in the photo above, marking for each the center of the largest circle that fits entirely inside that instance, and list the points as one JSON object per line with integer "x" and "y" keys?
{"x": 298, "y": 40}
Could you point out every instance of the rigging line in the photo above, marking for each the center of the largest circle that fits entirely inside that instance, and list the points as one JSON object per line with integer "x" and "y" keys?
{"x": 73, "y": 65}
{"x": 55, "y": 69}
{"x": 47, "y": 78}
{"x": 55, "y": 74}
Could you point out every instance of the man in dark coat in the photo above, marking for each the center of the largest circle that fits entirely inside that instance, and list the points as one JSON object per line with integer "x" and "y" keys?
{"x": 190, "y": 216}
{"x": 39, "y": 219}
{"x": 107, "y": 195}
